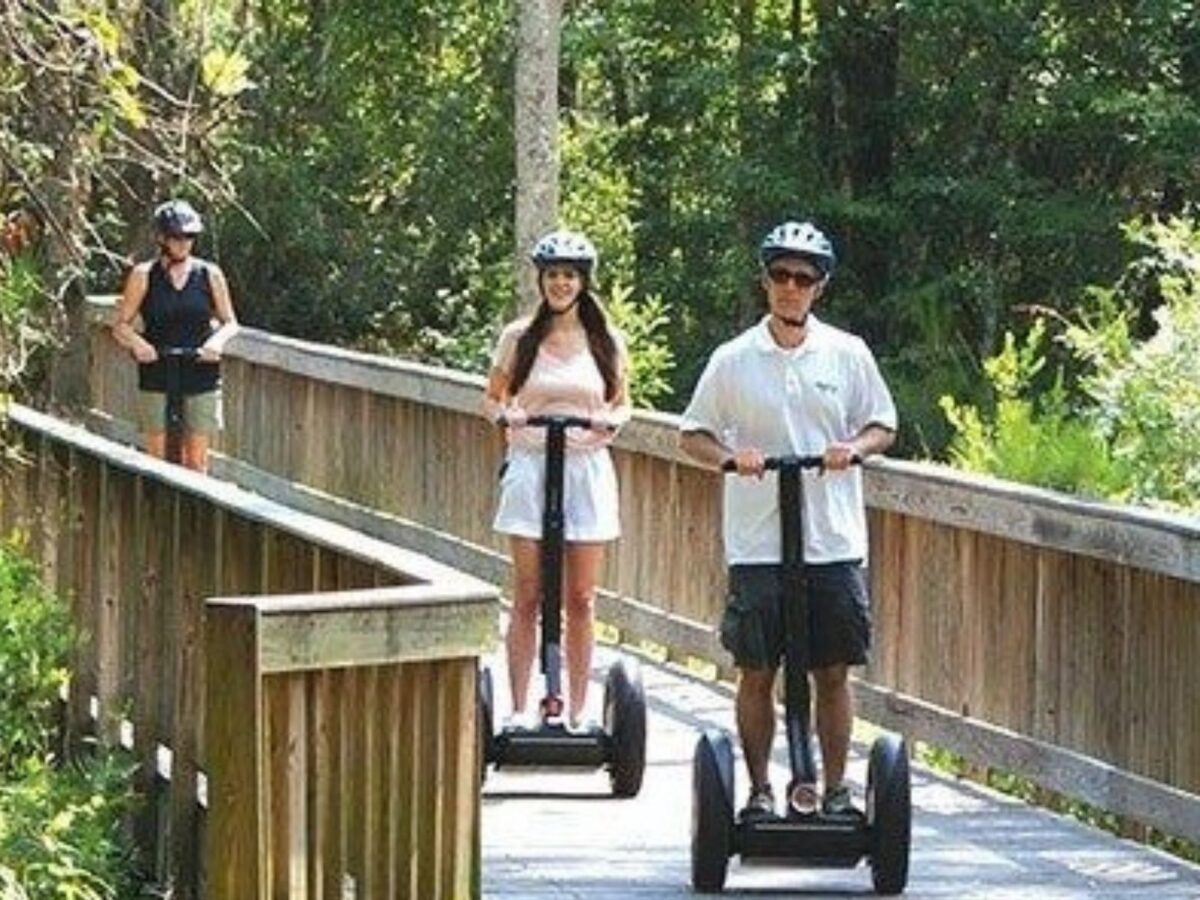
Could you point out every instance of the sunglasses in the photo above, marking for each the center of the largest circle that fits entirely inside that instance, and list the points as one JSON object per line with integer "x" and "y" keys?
{"x": 802, "y": 280}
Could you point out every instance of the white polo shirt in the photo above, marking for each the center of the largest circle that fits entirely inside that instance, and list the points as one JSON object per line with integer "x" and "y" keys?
{"x": 754, "y": 393}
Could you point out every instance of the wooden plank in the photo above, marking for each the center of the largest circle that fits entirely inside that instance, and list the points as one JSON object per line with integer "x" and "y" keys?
{"x": 86, "y": 664}
{"x": 236, "y": 847}
{"x": 1142, "y": 538}
{"x": 318, "y": 795}
{"x": 131, "y": 568}
{"x": 353, "y": 777}
{"x": 370, "y": 825}
{"x": 196, "y": 579}
{"x": 1085, "y": 778}
{"x": 391, "y": 773}
{"x": 50, "y": 497}
{"x": 337, "y": 807}
{"x": 413, "y": 700}
{"x": 1049, "y": 620}
{"x": 372, "y": 636}
{"x": 109, "y": 548}
{"x": 460, "y": 802}
{"x": 427, "y": 811}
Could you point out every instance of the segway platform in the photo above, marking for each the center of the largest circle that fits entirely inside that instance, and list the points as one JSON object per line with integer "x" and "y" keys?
{"x": 620, "y": 742}
{"x": 880, "y": 835}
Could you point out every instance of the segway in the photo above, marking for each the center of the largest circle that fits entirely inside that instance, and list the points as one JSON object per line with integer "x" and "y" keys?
{"x": 620, "y": 742}
{"x": 174, "y": 359}
{"x": 819, "y": 839}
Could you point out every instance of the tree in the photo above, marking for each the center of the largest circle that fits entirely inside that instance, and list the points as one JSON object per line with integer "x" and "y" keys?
{"x": 80, "y": 128}
{"x": 536, "y": 127}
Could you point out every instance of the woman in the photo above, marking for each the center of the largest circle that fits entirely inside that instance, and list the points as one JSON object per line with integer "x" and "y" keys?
{"x": 178, "y": 297}
{"x": 563, "y": 360}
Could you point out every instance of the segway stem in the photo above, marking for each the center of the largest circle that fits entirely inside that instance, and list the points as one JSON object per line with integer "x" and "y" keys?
{"x": 553, "y": 546}
{"x": 796, "y": 695}
{"x": 174, "y": 359}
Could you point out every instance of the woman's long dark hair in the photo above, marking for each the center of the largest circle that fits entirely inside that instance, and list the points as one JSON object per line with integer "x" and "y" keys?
{"x": 599, "y": 338}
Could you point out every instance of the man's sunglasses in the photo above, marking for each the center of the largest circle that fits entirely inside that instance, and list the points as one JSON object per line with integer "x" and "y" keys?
{"x": 800, "y": 279}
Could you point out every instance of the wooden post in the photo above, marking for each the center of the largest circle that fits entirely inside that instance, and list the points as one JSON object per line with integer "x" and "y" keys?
{"x": 236, "y": 851}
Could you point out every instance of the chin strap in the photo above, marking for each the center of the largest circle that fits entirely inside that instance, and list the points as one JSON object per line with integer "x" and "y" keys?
{"x": 793, "y": 323}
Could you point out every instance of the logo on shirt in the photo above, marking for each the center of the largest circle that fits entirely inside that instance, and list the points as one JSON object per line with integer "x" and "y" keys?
{"x": 825, "y": 387}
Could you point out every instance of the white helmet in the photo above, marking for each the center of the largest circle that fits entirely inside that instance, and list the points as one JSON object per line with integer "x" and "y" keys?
{"x": 798, "y": 239}
{"x": 564, "y": 247}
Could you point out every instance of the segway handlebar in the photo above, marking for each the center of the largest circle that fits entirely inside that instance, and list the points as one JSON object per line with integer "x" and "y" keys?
{"x": 563, "y": 422}
{"x": 180, "y": 353}
{"x": 771, "y": 463}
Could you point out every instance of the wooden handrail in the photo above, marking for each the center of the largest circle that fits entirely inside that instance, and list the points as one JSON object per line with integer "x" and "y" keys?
{"x": 290, "y": 716}
{"x": 999, "y": 609}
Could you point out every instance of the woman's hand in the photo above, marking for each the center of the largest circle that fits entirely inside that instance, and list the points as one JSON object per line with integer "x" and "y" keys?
{"x": 144, "y": 352}
{"x": 208, "y": 354}
{"x": 513, "y": 417}
{"x": 605, "y": 424}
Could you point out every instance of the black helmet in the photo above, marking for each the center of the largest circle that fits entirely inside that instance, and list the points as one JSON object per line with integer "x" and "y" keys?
{"x": 569, "y": 247}
{"x": 802, "y": 239}
{"x": 177, "y": 218}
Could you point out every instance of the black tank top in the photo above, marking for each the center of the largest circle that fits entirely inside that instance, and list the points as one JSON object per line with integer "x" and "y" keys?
{"x": 178, "y": 318}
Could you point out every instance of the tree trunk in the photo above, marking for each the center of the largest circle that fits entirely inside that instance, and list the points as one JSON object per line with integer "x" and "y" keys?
{"x": 67, "y": 193}
{"x": 538, "y": 32}
{"x": 746, "y": 304}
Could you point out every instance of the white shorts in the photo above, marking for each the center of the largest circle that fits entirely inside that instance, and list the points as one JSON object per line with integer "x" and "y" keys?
{"x": 590, "y": 500}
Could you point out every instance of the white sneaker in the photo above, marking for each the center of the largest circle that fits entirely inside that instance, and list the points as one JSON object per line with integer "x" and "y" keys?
{"x": 521, "y": 720}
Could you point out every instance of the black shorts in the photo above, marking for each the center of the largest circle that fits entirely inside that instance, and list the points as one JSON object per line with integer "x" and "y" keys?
{"x": 839, "y": 616}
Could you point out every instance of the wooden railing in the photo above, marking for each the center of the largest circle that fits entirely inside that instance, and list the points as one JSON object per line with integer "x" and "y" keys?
{"x": 309, "y": 732}
{"x": 1025, "y": 629}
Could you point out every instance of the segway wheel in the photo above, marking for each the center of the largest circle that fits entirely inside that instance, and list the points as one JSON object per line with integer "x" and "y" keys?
{"x": 712, "y": 811}
{"x": 889, "y": 814}
{"x": 625, "y": 723}
{"x": 485, "y": 707}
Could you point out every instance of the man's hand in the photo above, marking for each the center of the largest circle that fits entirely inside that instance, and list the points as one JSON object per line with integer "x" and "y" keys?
{"x": 749, "y": 461}
{"x": 839, "y": 456}
{"x": 208, "y": 354}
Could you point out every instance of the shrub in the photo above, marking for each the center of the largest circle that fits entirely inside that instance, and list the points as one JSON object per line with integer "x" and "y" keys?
{"x": 35, "y": 638}
{"x": 1035, "y": 439}
{"x": 62, "y": 832}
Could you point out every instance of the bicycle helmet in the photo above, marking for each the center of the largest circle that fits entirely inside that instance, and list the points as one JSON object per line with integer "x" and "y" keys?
{"x": 802, "y": 239}
{"x": 564, "y": 246}
{"x": 177, "y": 218}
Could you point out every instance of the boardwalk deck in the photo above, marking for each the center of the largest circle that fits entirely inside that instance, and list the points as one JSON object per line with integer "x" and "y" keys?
{"x": 559, "y": 835}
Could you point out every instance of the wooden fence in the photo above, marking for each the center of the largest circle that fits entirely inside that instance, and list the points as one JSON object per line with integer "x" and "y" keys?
{"x": 1025, "y": 629}
{"x": 309, "y": 731}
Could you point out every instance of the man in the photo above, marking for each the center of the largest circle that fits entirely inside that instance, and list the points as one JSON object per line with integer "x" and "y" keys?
{"x": 793, "y": 385}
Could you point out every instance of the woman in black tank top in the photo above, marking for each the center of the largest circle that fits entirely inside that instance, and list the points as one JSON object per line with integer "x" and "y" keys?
{"x": 183, "y": 302}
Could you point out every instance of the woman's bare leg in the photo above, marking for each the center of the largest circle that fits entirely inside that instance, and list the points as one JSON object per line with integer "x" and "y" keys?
{"x": 521, "y": 640}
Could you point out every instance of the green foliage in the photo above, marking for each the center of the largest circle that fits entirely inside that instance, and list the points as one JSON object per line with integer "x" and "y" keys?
{"x": 650, "y": 357}
{"x": 1131, "y": 433}
{"x": 1146, "y": 392}
{"x": 62, "y": 828}
{"x": 377, "y": 169}
{"x": 1030, "y": 435}
{"x": 63, "y": 833}
{"x": 967, "y": 156}
{"x": 23, "y": 307}
{"x": 35, "y": 637}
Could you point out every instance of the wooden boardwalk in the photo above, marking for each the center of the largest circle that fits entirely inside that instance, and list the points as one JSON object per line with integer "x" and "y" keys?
{"x": 558, "y": 835}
